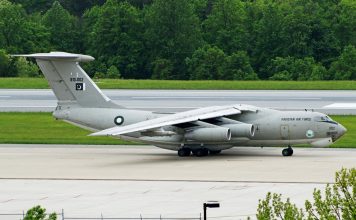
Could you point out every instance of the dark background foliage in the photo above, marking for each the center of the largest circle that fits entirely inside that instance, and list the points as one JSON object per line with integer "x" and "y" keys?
{"x": 187, "y": 39}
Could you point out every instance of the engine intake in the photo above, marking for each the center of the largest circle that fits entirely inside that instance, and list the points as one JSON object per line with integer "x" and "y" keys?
{"x": 209, "y": 134}
{"x": 241, "y": 130}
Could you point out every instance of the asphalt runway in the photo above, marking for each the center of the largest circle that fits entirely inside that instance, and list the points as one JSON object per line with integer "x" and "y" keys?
{"x": 126, "y": 181}
{"x": 330, "y": 102}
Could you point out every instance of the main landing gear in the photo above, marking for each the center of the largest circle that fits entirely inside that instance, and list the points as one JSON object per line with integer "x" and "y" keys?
{"x": 287, "y": 151}
{"x": 201, "y": 152}
{"x": 184, "y": 152}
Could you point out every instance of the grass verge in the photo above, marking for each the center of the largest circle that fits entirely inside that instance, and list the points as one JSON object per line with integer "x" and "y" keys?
{"x": 42, "y": 128}
{"x": 41, "y": 83}
{"x": 349, "y": 139}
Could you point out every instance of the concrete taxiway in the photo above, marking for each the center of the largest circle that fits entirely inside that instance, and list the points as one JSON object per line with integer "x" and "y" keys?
{"x": 330, "y": 102}
{"x": 125, "y": 181}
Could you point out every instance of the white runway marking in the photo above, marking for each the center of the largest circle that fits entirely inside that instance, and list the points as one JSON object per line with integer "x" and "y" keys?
{"x": 305, "y": 98}
{"x": 200, "y": 97}
{"x": 174, "y": 97}
{"x": 341, "y": 105}
{"x": 165, "y": 107}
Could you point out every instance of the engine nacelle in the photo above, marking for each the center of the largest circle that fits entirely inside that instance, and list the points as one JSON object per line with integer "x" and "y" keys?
{"x": 209, "y": 134}
{"x": 241, "y": 130}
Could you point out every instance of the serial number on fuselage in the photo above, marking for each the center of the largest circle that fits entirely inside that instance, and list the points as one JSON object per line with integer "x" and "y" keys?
{"x": 76, "y": 79}
{"x": 295, "y": 119}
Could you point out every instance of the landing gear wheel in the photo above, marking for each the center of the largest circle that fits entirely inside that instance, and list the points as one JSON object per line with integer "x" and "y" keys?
{"x": 287, "y": 151}
{"x": 202, "y": 152}
{"x": 214, "y": 152}
{"x": 184, "y": 152}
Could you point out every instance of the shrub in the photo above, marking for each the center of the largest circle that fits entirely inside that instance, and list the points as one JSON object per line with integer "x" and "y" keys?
{"x": 337, "y": 202}
{"x": 26, "y": 68}
{"x": 39, "y": 213}
{"x": 113, "y": 73}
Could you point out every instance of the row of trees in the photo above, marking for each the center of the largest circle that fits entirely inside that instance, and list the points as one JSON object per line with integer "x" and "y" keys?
{"x": 188, "y": 39}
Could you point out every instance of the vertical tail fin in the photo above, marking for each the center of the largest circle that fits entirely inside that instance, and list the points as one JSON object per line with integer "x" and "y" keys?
{"x": 69, "y": 81}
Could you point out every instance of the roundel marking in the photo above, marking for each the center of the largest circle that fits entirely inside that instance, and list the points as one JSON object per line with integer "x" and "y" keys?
{"x": 310, "y": 133}
{"x": 119, "y": 120}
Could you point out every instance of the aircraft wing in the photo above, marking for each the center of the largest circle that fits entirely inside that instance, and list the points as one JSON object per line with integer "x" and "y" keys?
{"x": 178, "y": 118}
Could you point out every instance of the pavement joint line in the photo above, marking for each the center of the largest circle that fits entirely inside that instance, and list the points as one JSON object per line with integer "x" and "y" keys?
{"x": 167, "y": 180}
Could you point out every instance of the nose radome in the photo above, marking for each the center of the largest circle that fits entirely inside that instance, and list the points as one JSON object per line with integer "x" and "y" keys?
{"x": 342, "y": 130}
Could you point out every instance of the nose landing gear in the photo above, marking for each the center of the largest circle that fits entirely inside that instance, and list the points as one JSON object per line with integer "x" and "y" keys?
{"x": 287, "y": 151}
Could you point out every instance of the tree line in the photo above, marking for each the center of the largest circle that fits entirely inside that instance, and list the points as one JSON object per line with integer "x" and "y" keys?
{"x": 186, "y": 39}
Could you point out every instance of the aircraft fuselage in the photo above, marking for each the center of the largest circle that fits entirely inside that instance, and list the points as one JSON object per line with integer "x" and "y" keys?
{"x": 271, "y": 127}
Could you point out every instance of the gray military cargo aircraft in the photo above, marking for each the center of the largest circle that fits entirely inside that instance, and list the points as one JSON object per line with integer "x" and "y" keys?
{"x": 199, "y": 132}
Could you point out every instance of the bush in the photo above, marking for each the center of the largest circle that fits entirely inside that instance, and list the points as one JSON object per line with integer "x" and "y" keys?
{"x": 162, "y": 69}
{"x": 211, "y": 63}
{"x": 99, "y": 75}
{"x": 113, "y": 73}
{"x": 206, "y": 63}
{"x": 26, "y": 68}
{"x": 238, "y": 67}
{"x": 337, "y": 202}
{"x": 7, "y": 67}
{"x": 272, "y": 207}
{"x": 291, "y": 68}
{"x": 345, "y": 67}
{"x": 39, "y": 213}
{"x": 283, "y": 75}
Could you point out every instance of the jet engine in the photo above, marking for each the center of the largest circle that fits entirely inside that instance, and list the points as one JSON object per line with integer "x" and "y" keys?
{"x": 209, "y": 134}
{"x": 241, "y": 130}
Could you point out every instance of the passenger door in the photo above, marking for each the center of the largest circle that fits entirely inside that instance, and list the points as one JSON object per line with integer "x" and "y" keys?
{"x": 285, "y": 132}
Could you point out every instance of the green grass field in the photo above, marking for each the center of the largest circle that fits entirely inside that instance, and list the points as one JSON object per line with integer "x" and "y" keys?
{"x": 41, "y": 83}
{"x": 42, "y": 128}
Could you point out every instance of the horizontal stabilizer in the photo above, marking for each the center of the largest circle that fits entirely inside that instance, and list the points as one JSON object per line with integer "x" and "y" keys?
{"x": 58, "y": 56}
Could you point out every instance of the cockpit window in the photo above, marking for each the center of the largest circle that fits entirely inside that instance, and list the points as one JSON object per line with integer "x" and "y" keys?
{"x": 324, "y": 118}
{"x": 319, "y": 118}
{"x": 328, "y": 118}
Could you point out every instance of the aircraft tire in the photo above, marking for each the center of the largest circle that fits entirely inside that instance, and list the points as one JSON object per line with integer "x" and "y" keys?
{"x": 287, "y": 152}
{"x": 202, "y": 152}
{"x": 184, "y": 152}
{"x": 215, "y": 152}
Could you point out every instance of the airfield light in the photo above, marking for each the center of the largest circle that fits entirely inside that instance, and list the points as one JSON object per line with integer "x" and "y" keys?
{"x": 210, "y": 204}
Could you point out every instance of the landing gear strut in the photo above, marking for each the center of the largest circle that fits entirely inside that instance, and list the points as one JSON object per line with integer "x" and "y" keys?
{"x": 287, "y": 151}
{"x": 184, "y": 152}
